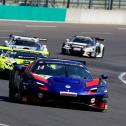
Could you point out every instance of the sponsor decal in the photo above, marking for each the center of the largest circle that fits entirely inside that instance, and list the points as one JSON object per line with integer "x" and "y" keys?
{"x": 67, "y": 86}
{"x": 69, "y": 94}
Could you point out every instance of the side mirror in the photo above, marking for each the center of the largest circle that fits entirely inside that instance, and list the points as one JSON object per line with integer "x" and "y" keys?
{"x": 67, "y": 40}
{"x": 20, "y": 68}
{"x": 6, "y": 42}
{"x": 104, "y": 76}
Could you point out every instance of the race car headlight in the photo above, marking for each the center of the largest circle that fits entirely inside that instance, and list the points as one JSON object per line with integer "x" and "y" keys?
{"x": 9, "y": 64}
{"x": 67, "y": 44}
{"x": 10, "y": 61}
{"x": 44, "y": 48}
{"x": 42, "y": 86}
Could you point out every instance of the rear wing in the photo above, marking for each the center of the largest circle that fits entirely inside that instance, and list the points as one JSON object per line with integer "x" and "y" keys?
{"x": 99, "y": 39}
{"x": 83, "y": 62}
{"x": 43, "y": 40}
{"x": 40, "y": 39}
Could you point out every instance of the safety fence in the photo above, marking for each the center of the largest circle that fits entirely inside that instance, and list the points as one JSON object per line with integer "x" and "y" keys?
{"x": 69, "y": 15}
{"x": 90, "y": 4}
{"x": 32, "y": 13}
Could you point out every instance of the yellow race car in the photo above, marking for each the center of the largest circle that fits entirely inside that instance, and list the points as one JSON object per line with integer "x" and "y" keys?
{"x": 28, "y": 43}
{"x": 10, "y": 57}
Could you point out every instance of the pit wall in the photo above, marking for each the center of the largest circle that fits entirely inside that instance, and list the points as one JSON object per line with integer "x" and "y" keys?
{"x": 32, "y": 13}
{"x": 96, "y": 16}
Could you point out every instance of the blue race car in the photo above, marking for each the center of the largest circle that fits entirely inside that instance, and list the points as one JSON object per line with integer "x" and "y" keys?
{"x": 58, "y": 80}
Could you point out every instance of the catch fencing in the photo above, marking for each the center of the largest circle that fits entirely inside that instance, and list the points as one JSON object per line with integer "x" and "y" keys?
{"x": 85, "y": 4}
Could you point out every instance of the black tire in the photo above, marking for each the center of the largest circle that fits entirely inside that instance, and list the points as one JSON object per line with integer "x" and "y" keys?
{"x": 63, "y": 51}
{"x": 12, "y": 92}
{"x": 81, "y": 53}
{"x": 12, "y": 88}
{"x": 103, "y": 51}
{"x": 71, "y": 52}
{"x": 94, "y": 56}
{"x": 103, "y": 109}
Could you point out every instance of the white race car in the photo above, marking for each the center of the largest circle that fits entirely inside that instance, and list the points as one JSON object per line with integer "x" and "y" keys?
{"x": 31, "y": 43}
{"x": 83, "y": 46}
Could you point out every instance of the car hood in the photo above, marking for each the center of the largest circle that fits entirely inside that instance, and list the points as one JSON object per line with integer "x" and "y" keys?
{"x": 24, "y": 47}
{"x": 78, "y": 43}
{"x": 65, "y": 84}
{"x": 59, "y": 84}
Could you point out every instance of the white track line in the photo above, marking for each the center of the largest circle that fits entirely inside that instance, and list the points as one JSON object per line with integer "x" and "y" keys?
{"x": 121, "y": 28}
{"x": 122, "y": 77}
{"x": 1, "y": 124}
{"x": 11, "y": 31}
{"x": 40, "y": 26}
{"x": 3, "y": 37}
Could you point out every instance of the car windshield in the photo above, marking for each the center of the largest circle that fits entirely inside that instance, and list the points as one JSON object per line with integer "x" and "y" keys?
{"x": 64, "y": 70}
{"x": 88, "y": 41}
{"x": 23, "y": 55}
{"x": 21, "y": 42}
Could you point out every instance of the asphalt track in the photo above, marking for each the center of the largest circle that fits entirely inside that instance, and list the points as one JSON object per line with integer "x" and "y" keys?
{"x": 113, "y": 64}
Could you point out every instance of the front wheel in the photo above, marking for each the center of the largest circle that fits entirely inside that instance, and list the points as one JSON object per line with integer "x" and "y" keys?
{"x": 102, "y": 105}
{"x": 103, "y": 53}
{"x": 63, "y": 51}
{"x": 93, "y": 55}
{"x": 12, "y": 92}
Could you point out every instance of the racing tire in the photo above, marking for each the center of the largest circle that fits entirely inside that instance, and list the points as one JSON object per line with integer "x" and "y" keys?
{"x": 81, "y": 53}
{"x": 22, "y": 97}
{"x": 93, "y": 56}
{"x": 97, "y": 51}
{"x": 103, "y": 51}
{"x": 11, "y": 87}
{"x": 63, "y": 51}
{"x": 12, "y": 92}
{"x": 71, "y": 52}
{"x": 103, "y": 105}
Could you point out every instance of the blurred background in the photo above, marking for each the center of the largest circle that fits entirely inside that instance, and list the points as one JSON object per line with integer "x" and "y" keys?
{"x": 86, "y": 4}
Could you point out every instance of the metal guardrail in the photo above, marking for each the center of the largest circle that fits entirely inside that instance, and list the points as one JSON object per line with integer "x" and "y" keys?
{"x": 91, "y": 4}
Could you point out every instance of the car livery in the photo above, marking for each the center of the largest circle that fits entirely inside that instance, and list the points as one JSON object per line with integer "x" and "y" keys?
{"x": 84, "y": 46}
{"x": 4, "y": 49}
{"x": 17, "y": 56}
{"x": 30, "y": 43}
{"x": 59, "y": 80}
